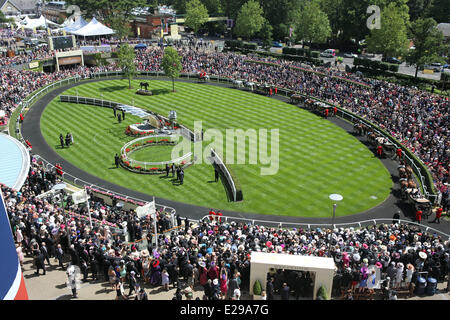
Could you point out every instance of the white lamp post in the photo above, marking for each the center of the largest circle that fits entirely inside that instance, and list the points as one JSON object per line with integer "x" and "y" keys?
{"x": 61, "y": 187}
{"x": 335, "y": 197}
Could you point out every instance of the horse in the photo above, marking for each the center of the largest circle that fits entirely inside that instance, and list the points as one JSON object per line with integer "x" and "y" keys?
{"x": 237, "y": 84}
{"x": 144, "y": 84}
{"x": 203, "y": 76}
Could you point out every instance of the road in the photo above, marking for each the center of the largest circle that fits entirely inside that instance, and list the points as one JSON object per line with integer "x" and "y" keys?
{"x": 403, "y": 68}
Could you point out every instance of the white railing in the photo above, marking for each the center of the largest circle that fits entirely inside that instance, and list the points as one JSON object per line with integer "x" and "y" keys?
{"x": 125, "y": 154}
{"x": 218, "y": 161}
{"x": 78, "y": 181}
{"x": 357, "y": 224}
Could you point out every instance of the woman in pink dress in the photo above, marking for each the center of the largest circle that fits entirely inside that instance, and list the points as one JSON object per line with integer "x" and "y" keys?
{"x": 223, "y": 282}
{"x": 19, "y": 253}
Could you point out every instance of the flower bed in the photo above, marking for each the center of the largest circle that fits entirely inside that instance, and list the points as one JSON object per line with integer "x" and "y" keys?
{"x": 132, "y": 131}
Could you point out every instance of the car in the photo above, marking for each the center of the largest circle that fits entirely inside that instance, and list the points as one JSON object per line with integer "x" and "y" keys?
{"x": 392, "y": 60}
{"x": 350, "y": 55}
{"x": 277, "y": 44}
{"x": 329, "y": 53}
{"x": 435, "y": 66}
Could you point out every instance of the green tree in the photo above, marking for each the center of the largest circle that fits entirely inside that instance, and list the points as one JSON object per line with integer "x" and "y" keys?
{"x": 391, "y": 39}
{"x": 214, "y": 7}
{"x": 250, "y": 19}
{"x": 311, "y": 24}
{"x": 126, "y": 58}
{"x": 196, "y": 15}
{"x": 122, "y": 29}
{"x": 171, "y": 64}
{"x": 428, "y": 42}
{"x": 280, "y": 20}
{"x": 439, "y": 10}
{"x": 266, "y": 34}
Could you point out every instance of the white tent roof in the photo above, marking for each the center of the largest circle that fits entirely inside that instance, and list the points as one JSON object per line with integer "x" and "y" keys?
{"x": 74, "y": 25}
{"x": 93, "y": 28}
{"x": 293, "y": 262}
{"x": 28, "y": 23}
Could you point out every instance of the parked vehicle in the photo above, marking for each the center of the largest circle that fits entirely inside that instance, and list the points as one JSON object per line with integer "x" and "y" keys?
{"x": 350, "y": 55}
{"x": 392, "y": 60}
{"x": 277, "y": 44}
{"x": 329, "y": 53}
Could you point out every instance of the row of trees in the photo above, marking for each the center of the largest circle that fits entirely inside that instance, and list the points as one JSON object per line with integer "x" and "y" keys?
{"x": 171, "y": 63}
{"x": 309, "y": 22}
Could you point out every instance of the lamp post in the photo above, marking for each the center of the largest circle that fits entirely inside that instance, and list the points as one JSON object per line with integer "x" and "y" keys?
{"x": 335, "y": 197}
{"x": 61, "y": 187}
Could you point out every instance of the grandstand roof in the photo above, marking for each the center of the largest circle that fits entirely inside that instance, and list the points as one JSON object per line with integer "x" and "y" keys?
{"x": 14, "y": 162}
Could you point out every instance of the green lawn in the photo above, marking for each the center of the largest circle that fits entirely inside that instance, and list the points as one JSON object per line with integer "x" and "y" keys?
{"x": 316, "y": 158}
{"x": 153, "y": 153}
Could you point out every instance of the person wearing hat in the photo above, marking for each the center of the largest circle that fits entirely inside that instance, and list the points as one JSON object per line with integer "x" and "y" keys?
{"x": 438, "y": 215}
{"x": 132, "y": 283}
{"x": 418, "y": 216}
{"x": 396, "y": 217}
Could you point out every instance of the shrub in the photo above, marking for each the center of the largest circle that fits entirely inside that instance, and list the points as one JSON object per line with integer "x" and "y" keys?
{"x": 322, "y": 293}
{"x": 257, "y": 288}
{"x": 315, "y": 54}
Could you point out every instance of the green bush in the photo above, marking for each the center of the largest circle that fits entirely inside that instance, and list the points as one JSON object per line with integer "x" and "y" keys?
{"x": 393, "y": 67}
{"x": 257, "y": 288}
{"x": 315, "y": 54}
{"x": 322, "y": 293}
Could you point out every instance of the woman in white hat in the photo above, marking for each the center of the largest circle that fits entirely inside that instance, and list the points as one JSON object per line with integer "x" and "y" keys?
{"x": 399, "y": 275}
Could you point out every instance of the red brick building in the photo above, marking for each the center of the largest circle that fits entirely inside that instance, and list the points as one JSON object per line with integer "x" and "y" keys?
{"x": 150, "y": 25}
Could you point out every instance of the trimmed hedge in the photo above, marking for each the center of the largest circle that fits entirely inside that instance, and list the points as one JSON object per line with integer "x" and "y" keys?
{"x": 375, "y": 65}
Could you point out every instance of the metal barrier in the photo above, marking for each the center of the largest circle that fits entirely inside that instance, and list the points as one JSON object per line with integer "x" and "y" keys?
{"x": 77, "y": 181}
{"x": 358, "y": 224}
{"x": 218, "y": 161}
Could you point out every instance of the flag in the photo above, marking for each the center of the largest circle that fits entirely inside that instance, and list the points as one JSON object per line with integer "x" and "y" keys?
{"x": 64, "y": 33}
{"x": 12, "y": 285}
{"x": 138, "y": 31}
{"x": 79, "y": 197}
{"x": 148, "y": 209}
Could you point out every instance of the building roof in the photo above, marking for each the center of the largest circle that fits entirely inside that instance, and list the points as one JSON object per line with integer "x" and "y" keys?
{"x": 21, "y": 5}
{"x": 445, "y": 28}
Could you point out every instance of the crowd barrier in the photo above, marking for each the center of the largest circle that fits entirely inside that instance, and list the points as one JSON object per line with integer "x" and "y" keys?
{"x": 357, "y": 224}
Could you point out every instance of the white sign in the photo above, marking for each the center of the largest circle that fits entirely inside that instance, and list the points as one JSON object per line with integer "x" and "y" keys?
{"x": 79, "y": 197}
{"x": 148, "y": 209}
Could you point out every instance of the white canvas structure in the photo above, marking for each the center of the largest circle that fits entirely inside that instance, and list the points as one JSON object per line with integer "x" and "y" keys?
{"x": 261, "y": 262}
{"x": 93, "y": 28}
{"x": 28, "y": 23}
{"x": 74, "y": 25}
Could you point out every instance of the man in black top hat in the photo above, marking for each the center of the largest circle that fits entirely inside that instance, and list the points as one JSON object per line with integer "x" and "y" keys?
{"x": 119, "y": 118}
{"x": 61, "y": 140}
{"x": 115, "y": 111}
{"x": 123, "y": 114}
{"x": 216, "y": 174}
{"x": 167, "y": 170}
{"x": 116, "y": 160}
{"x": 181, "y": 176}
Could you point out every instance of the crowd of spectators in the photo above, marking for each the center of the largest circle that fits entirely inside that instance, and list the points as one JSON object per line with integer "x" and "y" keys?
{"x": 217, "y": 256}
{"x": 210, "y": 255}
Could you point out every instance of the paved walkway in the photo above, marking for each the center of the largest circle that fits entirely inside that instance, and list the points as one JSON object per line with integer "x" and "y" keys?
{"x": 52, "y": 286}
{"x": 392, "y": 204}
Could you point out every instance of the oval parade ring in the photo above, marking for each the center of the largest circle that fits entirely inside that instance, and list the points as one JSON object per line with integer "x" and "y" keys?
{"x": 33, "y": 133}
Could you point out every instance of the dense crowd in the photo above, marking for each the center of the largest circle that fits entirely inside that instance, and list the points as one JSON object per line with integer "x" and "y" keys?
{"x": 210, "y": 255}
{"x": 217, "y": 256}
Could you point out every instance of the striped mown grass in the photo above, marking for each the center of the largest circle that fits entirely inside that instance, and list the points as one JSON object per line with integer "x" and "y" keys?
{"x": 316, "y": 158}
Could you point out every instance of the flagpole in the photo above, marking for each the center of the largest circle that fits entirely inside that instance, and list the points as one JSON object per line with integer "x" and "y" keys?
{"x": 156, "y": 230}
{"x": 89, "y": 210}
